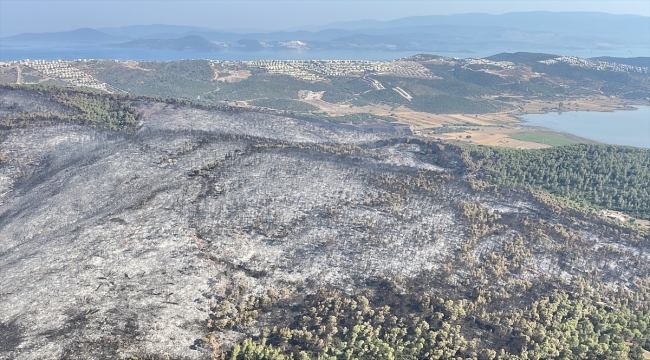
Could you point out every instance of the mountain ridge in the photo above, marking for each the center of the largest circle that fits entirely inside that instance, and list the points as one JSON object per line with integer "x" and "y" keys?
{"x": 434, "y": 32}
{"x": 82, "y": 35}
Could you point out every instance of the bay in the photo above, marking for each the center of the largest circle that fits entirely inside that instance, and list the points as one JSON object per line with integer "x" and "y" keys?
{"x": 624, "y": 127}
{"x": 9, "y": 52}
{"x": 74, "y": 53}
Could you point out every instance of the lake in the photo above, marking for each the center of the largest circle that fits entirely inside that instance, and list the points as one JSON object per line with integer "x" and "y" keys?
{"x": 617, "y": 127}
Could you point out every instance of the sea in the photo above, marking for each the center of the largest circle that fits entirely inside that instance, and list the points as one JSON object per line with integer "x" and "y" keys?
{"x": 623, "y": 127}
{"x": 13, "y": 53}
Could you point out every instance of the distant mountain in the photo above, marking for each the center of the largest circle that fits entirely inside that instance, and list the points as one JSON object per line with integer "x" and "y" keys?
{"x": 635, "y": 61}
{"x": 628, "y": 29}
{"x": 474, "y": 32}
{"x": 79, "y": 36}
{"x": 187, "y": 43}
{"x": 220, "y": 36}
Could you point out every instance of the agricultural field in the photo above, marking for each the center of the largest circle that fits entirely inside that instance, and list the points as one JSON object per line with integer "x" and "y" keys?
{"x": 548, "y": 139}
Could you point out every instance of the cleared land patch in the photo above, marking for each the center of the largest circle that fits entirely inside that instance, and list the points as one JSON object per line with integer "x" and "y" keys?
{"x": 232, "y": 77}
{"x": 491, "y": 136}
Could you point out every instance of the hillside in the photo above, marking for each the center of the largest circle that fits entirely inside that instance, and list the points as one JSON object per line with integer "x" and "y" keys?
{"x": 462, "y": 100}
{"x": 200, "y": 233}
{"x": 427, "y": 82}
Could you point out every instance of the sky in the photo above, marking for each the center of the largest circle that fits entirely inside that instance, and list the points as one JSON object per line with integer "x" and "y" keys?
{"x": 19, "y": 16}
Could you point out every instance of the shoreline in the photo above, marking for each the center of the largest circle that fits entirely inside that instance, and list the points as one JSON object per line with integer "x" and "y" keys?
{"x": 496, "y": 129}
{"x": 520, "y": 120}
{"x": 631, "y": 107}
{"x": 571, "y": 136}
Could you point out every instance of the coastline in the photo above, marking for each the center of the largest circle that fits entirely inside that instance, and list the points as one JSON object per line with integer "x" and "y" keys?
{"x": 524, "y": 124}
{"x": 501, "y": 129}
{"x": 570, "y": 136}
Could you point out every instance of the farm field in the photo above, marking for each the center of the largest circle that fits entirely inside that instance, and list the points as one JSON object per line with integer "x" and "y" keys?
{"x": 548, "y": 139}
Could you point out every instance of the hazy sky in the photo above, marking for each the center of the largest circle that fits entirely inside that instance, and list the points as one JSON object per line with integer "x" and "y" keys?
{"x": 17, "y": 16}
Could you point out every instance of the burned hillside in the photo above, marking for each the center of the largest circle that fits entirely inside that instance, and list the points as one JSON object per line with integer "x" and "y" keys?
{"x": 198, "y": 233}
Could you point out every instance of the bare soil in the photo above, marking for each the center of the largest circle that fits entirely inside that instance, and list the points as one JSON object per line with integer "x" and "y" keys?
{"x": 233, "y": 77}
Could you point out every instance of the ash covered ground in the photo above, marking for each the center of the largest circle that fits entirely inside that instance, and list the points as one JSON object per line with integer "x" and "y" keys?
{"x": 115, "y": 244}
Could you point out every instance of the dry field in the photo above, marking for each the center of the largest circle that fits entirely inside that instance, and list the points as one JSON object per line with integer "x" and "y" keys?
{"x": 492, "y": 135}
{"x": 494, "y": 129}
{"x": 422, "y": 120}
{"x": 417, "y": 119}
{"x": 486, "y": 129}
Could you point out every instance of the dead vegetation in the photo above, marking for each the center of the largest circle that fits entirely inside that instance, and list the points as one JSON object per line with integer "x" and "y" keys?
{"x": 204, "y": 228}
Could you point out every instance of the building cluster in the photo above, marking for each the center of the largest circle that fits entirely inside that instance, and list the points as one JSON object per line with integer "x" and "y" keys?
{"x": 407, "y": 69}
{"x": 501, "y": 64}
{"x": 596, "y": 64}
{"x": 64, "y": 71}
{"x": 320, "y": 70}
{"x": 296, "y": 68}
